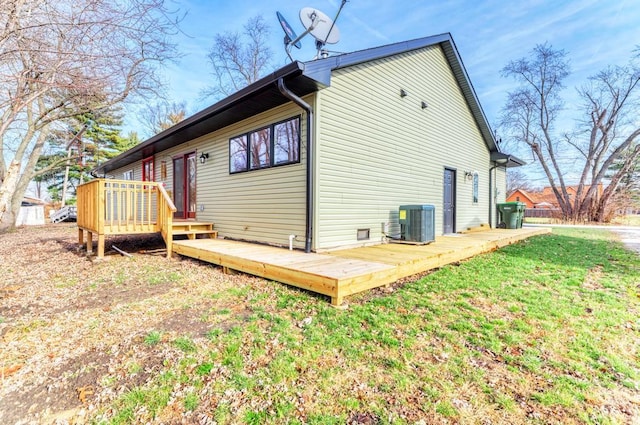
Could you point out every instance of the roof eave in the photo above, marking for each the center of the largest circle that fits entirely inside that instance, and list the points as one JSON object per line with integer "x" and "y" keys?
{"x": 506, "y": 160}
{"x": 312, "y": 76}
{"x": 194, "y": 126}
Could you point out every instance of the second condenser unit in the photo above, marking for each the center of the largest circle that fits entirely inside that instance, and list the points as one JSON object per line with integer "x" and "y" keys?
{"x": 417, "y": 223}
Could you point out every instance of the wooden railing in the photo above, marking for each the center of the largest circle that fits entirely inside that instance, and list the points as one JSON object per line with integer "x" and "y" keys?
{"x": 113, "y": 207}
{"x": 165, "y": 218}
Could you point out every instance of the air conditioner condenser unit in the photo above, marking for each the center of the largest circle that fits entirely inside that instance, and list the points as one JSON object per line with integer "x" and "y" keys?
{"x": 417, "y": 223}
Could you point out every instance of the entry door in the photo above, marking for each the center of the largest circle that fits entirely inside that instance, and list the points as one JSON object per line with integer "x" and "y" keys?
{"x": 184, "y": 185}
{"x": 449, "y": 204}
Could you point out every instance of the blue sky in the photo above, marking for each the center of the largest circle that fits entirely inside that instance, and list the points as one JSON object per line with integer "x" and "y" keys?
{"x": 488, "y": 34}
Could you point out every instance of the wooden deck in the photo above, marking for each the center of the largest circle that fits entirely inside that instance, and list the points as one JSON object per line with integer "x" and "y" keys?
{"x": 346, "y": 272}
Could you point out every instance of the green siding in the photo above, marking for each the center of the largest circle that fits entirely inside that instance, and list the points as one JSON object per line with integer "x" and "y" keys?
{"x": 377, "y": 150}
{"x": 264, "y": 205}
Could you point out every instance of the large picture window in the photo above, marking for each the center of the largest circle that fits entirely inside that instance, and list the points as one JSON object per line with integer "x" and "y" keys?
{"x": 277, "y": 144}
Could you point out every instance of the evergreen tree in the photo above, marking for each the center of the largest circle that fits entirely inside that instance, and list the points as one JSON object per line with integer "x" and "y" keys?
{"x": 89, "y": 140}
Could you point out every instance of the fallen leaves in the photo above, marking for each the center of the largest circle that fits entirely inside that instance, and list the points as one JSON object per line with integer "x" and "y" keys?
{"x": 84, "y": 392}
{"x": 10, "y": 370}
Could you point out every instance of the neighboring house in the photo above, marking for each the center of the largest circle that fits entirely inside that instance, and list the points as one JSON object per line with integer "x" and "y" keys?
{"x": 31, "y": 212}
{"x": 325, "y": 152}
{"x": 546, "y": 198}
{"x": 519, "y": 195}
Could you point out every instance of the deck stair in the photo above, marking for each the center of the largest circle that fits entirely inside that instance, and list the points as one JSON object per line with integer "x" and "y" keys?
{"x": 66, "y": 213}
{"x": 192, "y": 229}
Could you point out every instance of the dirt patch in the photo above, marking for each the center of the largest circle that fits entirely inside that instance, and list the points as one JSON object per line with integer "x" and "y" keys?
{"x": 192, "y": 322}
{"x": 66, "y": 386}
{"x": 72, "y": 329}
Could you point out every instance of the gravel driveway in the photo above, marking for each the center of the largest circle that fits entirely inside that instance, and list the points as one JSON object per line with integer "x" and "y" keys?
{"x": 631, "y": 238}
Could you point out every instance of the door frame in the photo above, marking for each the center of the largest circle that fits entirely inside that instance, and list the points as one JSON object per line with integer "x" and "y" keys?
{"x": 454, "y": 177}
{"x": 186, "y": 214}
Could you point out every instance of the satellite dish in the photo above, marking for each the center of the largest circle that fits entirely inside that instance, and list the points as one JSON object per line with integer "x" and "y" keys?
{"x": 316, "y": 23}
{"x": 290, "y": 34}
{"x": 321, "y": 27}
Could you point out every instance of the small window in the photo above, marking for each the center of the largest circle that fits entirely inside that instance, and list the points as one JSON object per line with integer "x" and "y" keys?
{"x": 277, "y": 144}
{"x": 364, "y": 234}
{"x": 148, "y": 174}
{"x": 476, "y": 183}
{"x": 127, "y": 175}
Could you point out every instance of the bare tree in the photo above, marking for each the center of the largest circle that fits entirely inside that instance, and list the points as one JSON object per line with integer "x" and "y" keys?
{"x": 518, "y": 180}
{"x": 239, "y": 59}
{"x": 627, "y": 193}
{"x": 157, "y": 117}
{"x": 610, "y": 126}
{"x": 62, "y": 58}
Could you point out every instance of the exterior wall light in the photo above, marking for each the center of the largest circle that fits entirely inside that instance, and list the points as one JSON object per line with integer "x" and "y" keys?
{"x": 424, "y": 105}
{"x": 403, "y": 93}
{"x": 204, "y": 157}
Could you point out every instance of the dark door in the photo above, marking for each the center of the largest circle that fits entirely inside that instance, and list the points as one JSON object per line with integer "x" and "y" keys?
{"x": 449, "y": 204}
{"x": 184, "y": 185}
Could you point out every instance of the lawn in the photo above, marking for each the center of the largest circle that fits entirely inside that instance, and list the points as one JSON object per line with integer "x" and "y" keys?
{"x": 627, "y": 220}
{"x": 543, "y": 331}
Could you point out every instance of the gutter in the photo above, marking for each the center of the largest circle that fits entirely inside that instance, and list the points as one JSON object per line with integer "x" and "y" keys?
{"x": 497, "y": 164}
{"x": 309, "y": 203}
{"x": 491, "y": 190}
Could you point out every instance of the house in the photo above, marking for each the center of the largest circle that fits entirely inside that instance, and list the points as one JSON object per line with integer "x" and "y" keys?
{"x": 546, "y": 198}
{"x": 533, "y": 200}
{"x": 520, "y": 195}
{"x": 32, "y": 212}
{"x": 322, "y": 154}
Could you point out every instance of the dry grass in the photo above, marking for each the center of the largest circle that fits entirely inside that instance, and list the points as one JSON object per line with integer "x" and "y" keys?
{"x": 541, "y": 332}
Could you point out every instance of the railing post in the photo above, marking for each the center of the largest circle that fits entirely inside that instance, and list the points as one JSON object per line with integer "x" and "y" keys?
{"x": 108, "y": 207}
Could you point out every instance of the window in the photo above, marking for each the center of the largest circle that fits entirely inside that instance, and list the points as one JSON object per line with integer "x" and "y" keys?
{"x": 147, "y": 170}
{"x": 277, "y": 144}
{"x": 260, "y": 148}
{"x": 238, "y": 154}
{"x": 127, "y": 175}
{"x": 286, "y": 142}
{"x": 476, "y": 179}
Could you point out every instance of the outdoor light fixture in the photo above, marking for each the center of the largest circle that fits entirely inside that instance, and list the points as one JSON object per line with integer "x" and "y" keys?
{"x": 468, "y": 175}
{"x": 403, "y": 93}
{"x": 424, "y": 105}
{"x": 204, "y": 157}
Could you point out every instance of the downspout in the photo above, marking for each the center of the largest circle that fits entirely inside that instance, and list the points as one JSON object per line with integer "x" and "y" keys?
{"x": 309, "y": 204}
{"x": 491, "y": 189}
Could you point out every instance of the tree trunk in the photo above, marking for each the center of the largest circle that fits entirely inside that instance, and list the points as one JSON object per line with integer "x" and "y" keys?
{"x": 7, "y": 193}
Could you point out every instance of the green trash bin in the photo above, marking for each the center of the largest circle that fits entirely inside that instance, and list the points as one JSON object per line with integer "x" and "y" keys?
{"x": 511, "y": 214}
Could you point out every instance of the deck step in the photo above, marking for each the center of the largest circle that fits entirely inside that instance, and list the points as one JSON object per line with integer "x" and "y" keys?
{"x": 191, "y": 226}
{"x": 192, "y": 233}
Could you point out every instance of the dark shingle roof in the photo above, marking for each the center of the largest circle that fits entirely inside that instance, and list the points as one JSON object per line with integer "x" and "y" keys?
{"x": 302, "y": 79}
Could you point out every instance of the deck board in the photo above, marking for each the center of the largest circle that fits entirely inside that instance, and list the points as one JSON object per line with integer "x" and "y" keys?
{"x": 345, "y": 272}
